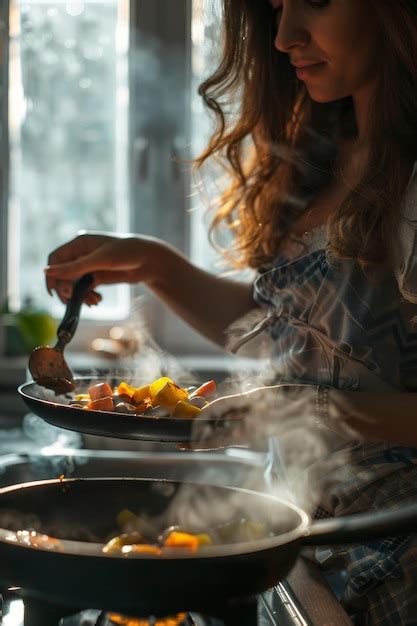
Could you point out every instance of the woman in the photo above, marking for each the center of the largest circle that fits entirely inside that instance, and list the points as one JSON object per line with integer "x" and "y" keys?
{"x": 323, "y": 205}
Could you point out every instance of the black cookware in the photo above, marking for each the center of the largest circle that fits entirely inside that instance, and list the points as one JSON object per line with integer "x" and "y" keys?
{"x": 83, "y": 577}
{"x": 56, "y": 410}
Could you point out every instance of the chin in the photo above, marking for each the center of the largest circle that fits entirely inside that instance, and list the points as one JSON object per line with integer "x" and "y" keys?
{"x": 322, "y": 97}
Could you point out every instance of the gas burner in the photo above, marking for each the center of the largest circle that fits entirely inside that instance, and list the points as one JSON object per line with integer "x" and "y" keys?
{"x": 276, "y": 607}
{"x": 242, "y": 614}
{"x": 115, "y": 619}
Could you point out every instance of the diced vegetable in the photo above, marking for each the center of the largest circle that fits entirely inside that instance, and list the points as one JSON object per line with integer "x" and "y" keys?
{"x": 198, "y": 401}
{"x": 178, "y": 539}
{"x": 206, "y": 390}
{"x": 185, "y": 410}
{"x": 204, "y": 539}
{"x": 141, "y": 548}
{"x": 101, "y": 390}
{"x": 142, "y": 407}
{"x": 141, "y": 394}
{"x": 157, "y": 385}
{"x": 124, "y": 517}
{"x": 82, "y": 396}
{"x": 168, "y": 394}
{"x": 124, "y": 407}
{"x": 101, "y": 404}
{"x": 38, "y": 540}
{"x": 125, "y": 390}
{"x": 161, "y": 398}
{"x": 126, "y": 539}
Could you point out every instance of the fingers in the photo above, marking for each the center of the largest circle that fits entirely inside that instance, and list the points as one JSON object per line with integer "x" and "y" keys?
{"x": 92, "y": 298}
{"x": 111, "y": 259}
{"x": 77, "y": 247}
{"x": 72, "y": 260}
{"x": 97, "y": 254}
{"x": 60, "y": 277}
{"x": 73, "y": 269}
{"x": 64, "y": 288}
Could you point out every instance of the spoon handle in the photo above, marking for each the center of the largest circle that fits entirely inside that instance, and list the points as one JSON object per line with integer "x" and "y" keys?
{"x": 68, "y": 326}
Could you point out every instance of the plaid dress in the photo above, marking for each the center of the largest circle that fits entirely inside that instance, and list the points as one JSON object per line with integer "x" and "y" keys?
{"x": 333, "y": 325}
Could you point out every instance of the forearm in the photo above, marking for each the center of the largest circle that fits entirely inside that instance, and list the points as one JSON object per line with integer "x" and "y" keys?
{"x": 207, "y": 302}
{"x": 381, "y": 415}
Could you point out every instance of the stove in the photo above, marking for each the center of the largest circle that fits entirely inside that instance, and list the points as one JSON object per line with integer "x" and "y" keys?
{"x": 276, "y": 607}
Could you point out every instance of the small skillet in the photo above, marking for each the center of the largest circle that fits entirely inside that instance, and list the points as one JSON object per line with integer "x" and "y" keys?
{"x": 56, "y": 410}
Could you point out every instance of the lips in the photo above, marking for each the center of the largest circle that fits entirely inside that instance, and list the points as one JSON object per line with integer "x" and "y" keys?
{"x": 306, "y": 69}
{"x": 302, "y": 63}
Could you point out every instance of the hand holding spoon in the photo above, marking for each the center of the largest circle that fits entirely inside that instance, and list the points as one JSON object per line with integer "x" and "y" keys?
{"x": 47, "y": 365}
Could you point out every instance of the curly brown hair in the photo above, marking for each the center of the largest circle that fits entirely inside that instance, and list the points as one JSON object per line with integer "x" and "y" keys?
{"x": 279, "y": 148}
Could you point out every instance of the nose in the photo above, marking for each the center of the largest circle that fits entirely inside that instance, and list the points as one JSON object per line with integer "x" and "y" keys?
{"x": 292, "y": 29}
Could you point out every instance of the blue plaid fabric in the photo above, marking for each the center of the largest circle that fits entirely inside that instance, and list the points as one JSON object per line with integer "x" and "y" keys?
{"x": 338, "y": 327}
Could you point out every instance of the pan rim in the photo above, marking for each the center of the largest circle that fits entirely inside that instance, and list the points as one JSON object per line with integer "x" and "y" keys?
{"x": 90, "y": 549}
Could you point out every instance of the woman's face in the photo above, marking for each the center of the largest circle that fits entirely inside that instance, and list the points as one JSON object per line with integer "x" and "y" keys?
{"x": 333, "y": 45}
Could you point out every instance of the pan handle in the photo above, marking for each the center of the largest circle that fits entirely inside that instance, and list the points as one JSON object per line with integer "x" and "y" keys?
{"x": 361, "y": 527}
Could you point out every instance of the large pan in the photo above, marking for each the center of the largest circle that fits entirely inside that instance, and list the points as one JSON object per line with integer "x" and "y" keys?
{"x": 56, "y": 410}
{"x": 83, "y": 577}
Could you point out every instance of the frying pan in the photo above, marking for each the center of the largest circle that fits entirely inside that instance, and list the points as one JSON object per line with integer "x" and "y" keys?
{"x": 56, "y": 410}
{"x": 83, "y": 577}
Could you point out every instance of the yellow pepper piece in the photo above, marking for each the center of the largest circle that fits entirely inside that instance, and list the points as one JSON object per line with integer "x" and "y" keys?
{"x": 204, "y": 539}
{"x": 186, "y": 410}
{"x": 124, "y": 389}
{"x": 157, "y": 385}
{"x": 169, "y": 395}
{"x": 82, "y": 396}
{"x": 141, "y": 393}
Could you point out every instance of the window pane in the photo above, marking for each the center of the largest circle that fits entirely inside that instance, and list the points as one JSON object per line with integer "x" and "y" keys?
{"x": 206, "y": 16}
{"x": 68, "y": 133}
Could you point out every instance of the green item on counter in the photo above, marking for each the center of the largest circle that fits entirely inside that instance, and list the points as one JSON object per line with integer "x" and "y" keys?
{"x": 28, "y": 328}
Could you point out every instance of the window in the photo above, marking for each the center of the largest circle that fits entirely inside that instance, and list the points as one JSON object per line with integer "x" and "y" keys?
{"x": 205, "y": 52}
{"x": 68, "y": 111}
{"x": 102, "y": 110}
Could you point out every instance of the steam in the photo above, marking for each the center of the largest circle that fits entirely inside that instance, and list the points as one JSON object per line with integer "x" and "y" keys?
{"x": 282, "y": 417}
